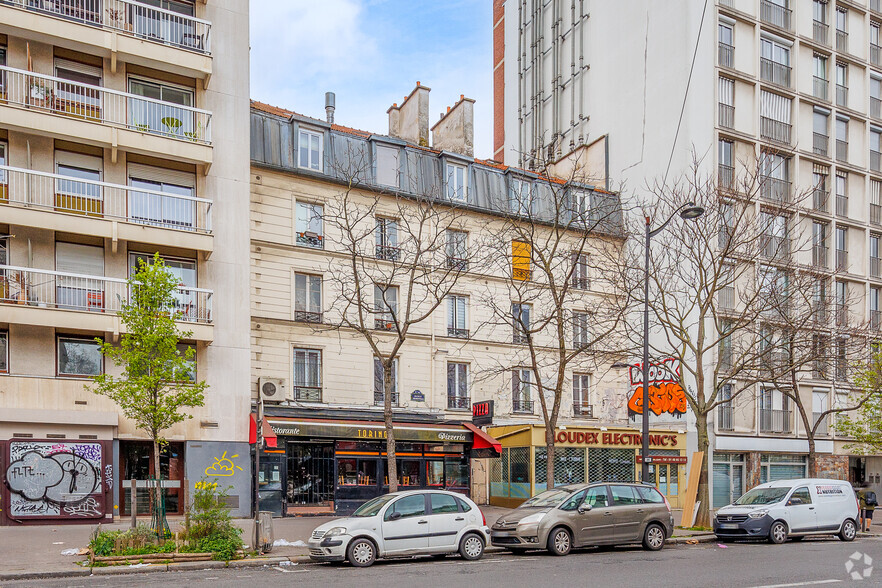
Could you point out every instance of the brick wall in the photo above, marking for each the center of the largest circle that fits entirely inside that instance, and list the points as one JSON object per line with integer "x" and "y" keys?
{"x": 498, "y": 80}
{"x": 834, "y": 467}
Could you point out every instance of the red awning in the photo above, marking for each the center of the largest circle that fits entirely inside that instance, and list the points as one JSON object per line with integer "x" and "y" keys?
{"x": 482, "y": 440}
{"x": 266, "y": 432}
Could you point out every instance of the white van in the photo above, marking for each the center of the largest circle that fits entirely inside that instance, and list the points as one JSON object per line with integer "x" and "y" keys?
{"x": 791, "y": 508}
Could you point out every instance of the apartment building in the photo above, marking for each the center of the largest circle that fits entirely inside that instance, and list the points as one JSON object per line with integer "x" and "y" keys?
{"x": 794, "y": 85}
{"x": 321, "y": 385}
{"x": 120, "y": 137}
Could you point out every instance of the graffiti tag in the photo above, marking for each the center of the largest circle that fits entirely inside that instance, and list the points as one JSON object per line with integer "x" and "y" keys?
{"x": 222, "y": 466}
{"x": 665, "y": 393}
{"x": 87, "y": 508}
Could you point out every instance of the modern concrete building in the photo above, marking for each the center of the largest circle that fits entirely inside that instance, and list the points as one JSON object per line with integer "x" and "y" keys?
{"x": 121, "y": 126}
{"x": 795, "y": 84}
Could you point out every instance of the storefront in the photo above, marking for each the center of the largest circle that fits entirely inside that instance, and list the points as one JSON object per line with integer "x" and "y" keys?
{"x": 582, "y": 455}
{"x": 333, "y": 466}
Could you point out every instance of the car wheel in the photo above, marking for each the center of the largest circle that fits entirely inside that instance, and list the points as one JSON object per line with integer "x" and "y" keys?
{"x": 848, "y": 531}
{"x": 471, "y": 547}
{"x": 653, "y": 538}
{"x": 778, "y": 532}
{"x": 560, "y": 541}
{"x": 361, "y": 553}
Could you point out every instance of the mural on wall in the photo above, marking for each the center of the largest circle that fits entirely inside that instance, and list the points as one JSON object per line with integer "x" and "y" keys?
{"x": 47, "y": 479}
{"x": 223, "y": 466}
{"x": 666, "y": 396}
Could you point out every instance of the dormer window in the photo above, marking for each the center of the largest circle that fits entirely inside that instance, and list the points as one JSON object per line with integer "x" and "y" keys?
{"x": 310, "y": 150}
{"x": 457, "y": 183}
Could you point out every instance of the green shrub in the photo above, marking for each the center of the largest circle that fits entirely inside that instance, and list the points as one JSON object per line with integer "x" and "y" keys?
{"x": 138, "y": 541}
{"x": 210, "y": 526}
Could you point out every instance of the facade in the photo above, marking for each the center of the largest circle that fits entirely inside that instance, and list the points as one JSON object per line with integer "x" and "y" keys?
{"x": 120, "y": 128}
{"x": 796, "y": 85}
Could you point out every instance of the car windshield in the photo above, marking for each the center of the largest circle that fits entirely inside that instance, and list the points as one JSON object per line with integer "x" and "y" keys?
{"x": 547, "y": 498}
{"x": 372, "y": 506}
{"x": 763, "y": 496}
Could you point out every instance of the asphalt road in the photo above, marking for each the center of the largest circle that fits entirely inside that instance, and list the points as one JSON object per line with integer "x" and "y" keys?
{"x": 807, "y": 563}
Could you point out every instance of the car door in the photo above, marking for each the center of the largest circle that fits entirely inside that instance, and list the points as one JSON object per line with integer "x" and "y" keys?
{"x": 628, "y": 511}
{"x": 445, "y": 521}
{"x": 405, "y": 525}
{"x": 801, "y": 511}
{"x": 595, "y": 523}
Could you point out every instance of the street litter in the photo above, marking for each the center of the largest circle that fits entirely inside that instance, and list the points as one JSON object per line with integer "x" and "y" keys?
{"x": 72, "y": 551}
{"x": 692, "y": 541}
{"x": 139, "y": 565}
{"x": 58, "y": 543}
{"x": 287, "y": 563}
{"x": 286, "y": 543}
{"x": 723, "y": 546}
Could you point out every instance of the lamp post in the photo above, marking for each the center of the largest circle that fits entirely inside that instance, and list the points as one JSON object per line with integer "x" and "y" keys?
{"x": 688, "y": 211}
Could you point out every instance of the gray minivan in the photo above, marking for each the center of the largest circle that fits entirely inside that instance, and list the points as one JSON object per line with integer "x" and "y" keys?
{"x": 586, "y": 514}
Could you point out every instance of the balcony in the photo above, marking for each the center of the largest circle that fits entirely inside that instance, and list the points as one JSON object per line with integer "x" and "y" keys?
{"x": 384, "y": 323}
{"x": 725, "y": 415}
{"x": 841, "y": 151}
{"x": 819, "y": 199}
{"x": 875, "y": 108}
{"x": 774, "y": 189}
{"x": 773, "y": 362}
{"x": 774, "y": 72}
{"x": 583, "y": 409}
{"x": 820, "y": 143}
{"x": 458, "y": 333}
{"x": 774, "y": 420}
{"x": 380, "y": 398}
{"x": 775, "y": 130}
{"x": 775, "y": 247}
{"x": 842, "y": 95}
{"x": 306, "y": 316}
{"x": 876, "y": 320}
{"x": 819, "y": 256}
{"x": 840, "y": 312}
{"x": 307, "y": 393}
{"x": 48, "y": 105}
{"x": 726, "y": 176}
{"x": 841, "y": 41}
{"x": 459, "y": 402}
{"x": 841, "y": 260}
{"x": 387, "y": 253}
{"x": 522, "y": 406}
{"x": 727, "y": 116}
{"x": 46, "y": 297}
{"x": 875, "y": 161}
{"x": 875, "y": 55}
{"x": 822, "y": 429}
{"x": 841, "y": 205}
{"x": 88, "y": 207}
{"x": 775, "y": 15}
{"x": 820, "y": 31}
{"x": 876, "y": 214}
{"x": 129, "y": 31}
{"x": 819, "y": 88}
{"x": 726, "y": 297}
{"x": 458, "y": 263}
{"x": 727, "y": 55}
{"x": 875, "y": 267}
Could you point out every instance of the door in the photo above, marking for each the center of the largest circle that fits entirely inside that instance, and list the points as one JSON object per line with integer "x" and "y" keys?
{"x": 310, "y": 480}
{"x": 595, "y": 526}
{"x": 628, "y": 513}
{"x": 803, "y": 515}
{"x": 406, "y": 526}
{"x": 445, "y": 521}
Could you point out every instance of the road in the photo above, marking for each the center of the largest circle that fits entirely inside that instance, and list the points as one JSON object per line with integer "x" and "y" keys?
{"x": 808, "y": 563}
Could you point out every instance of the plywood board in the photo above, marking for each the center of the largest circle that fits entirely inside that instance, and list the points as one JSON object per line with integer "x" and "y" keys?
{"x": 692, "y": 490}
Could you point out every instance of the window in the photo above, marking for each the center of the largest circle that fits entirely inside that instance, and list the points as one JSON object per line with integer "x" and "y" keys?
{"x": 309, "y": 225}
{"x": 457, "y": 252}
{"x": 724, "y": 410}
{"x": 581, "y": 329}
{"x": 79, "y": 292}
{"x": 774, "y": 239}
{"x": 842, "y": 359}
{"x": 876, "y": 95}
{"x": 775, "y": 62}
{"x": 307, "y": 375}
{"x": 580, "y": 279}
{"x": 457, "y": 385}
{"x": 875, "y": 149}
{"x": 726, "y": 151}
{"x": 310, "y": 150}
{"x": 73, "y": 98}
{"x": 79, "y": 357}
{"x": 775, "y": 467}
{"x": 187, "y": 299}
{"x": 819, "y": 66}
{"x": 841, "y": 138}
{"x": 4, "y": 189}
{"x": 520, "y": 196}
{"x": 774, "y": 411}
{"x": 521, "y": 254}
{"x": 443, "y": 503}
{"x": 172, "y": 207}
{"x": 775, "y": 117}
{"x": 457, "y": 184}
{"x": 728, "y": 478}
{"x": 820, "y": 139}
{"x": 727, "y": 103}
{"x": 819, "y": 11}
{"x": 582, "y": 395}
{"x": 2, "y": 73}
{"x": 581, "y": 207}
{"x": 596, "y": 496}
{"x": 357, "y": 472}
{"x": 623, "y": 495}
{"x": 82, "y": 192}
{"x": 520, "y": 322}
{"x": 408, "y": 506}
{"x": 841, "y": 84}
{"x": 775, "y": 177}
{"x": 457, "y": 316}
{"x": 307, "y": 298}
{"x": 379, "y": 388}
{"x": 727, "y": 44}
{"x": 841, "y": 21}
{"x": 167, "y": 112}
{"x": 521, "y": 391}
{"x": 385, "y": 306}
{"x": 388, "y": 166}
{"x": 183, "y": 349}
{"x": 386, "y": 238}
{"x": 4, "y": 352}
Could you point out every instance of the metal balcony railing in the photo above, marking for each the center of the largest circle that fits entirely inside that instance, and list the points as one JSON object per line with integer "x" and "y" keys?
{"x": 820, "y": 143}
{"x": 34, "y": 189}
{"x": 823, "y": 429}
{"x": 727, "y": 55}
{"x": 819, "y": 88}
{"x": 820, "y": 369}
{"x": 841, "y": 260}
{"x": 840, "y": 312}
{"x": 775, "y": 247}
{"x": 583, "y": 409}
{"x": 841, "y": 205}
{"x": 820, "y": 31}
{"x": 841, "y": 41}
{"x": 63, "y": 290}
{"x": 875, "y": 161}
{"x": 775, "y": 130}
{"x": 129, "y": 18}
{"x": 774, "y": 72}
{"x": 307, "y": 316}
{"x": 875, "y": 107}
{"x": 876, "y": 319}
{"x": 458, "y": 263}
{"x": 520, "y": 405}
{"x": 387, "y": 253}
{"x": 459, "y": 333}
{"x": 308, "y": 393}
{"x": 380, "y": 398}
{"x": 774, "y": 421}
{"x": 841, "y": 95}
{"x": 726, "y": 176}
{"x": 841, "y": 150}
{"x": 876, "y": 214}
{"x": 384, "y": 323}
{"x": 727, "y": 116}
{"x": 459, "y": 402}
{"x": 774, "y": 189}
{"x": 819, "y": 199}
{"x": 310, "y": 239}
{"x": 875, "y": 267}
{"x": 775, "y": 14}
{"x": 104, "y": 106}
{"x": 518, "y": 337}
{"x": 727, "y": 297}
{"x": 819, "y": 256}
{"x": 841, "y": 370}
{"x": 875, "y": 54}
{"x": 725, "y": 414}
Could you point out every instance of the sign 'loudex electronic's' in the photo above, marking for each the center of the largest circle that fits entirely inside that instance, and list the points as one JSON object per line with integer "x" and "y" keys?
{"x": 376, "y": 432}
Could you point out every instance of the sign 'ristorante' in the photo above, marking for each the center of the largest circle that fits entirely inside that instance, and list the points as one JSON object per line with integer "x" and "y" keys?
{"x": 624, "y": 439}
{"x": 367, "y": 431}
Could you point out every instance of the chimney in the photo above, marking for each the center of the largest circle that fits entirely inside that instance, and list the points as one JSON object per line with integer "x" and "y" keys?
{"x": 410, "y": 121}
{"x": 456, "y": 130}
{"x": 330, "y": 106}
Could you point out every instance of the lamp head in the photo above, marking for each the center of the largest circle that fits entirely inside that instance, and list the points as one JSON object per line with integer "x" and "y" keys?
{"x": 691, "y": 211}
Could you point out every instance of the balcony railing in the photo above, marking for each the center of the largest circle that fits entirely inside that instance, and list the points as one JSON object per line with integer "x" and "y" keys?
{"x": 387, "y": 253}
{"x": 458, "y": 263}
{"x": 458, "y": 333}
{"x": 841, "y": 205}
{"x": 819, "y": 88}
{"x": 520, "y": 405}
{"x": 583, "y": 409}
{"x": 875, "y": 267}
{"x": 841, "y": 95}
{"x": 380, "y": 398}
{"x": 819, "y": 199}
{"x": 36, "y": 189}
{"x": 822, "y": 429}
{"x": 775, "y": 247}
{"x": 727, "y": 55}
{"x": 62, "y": 290}
{"x": 840, "y": 312}
{"x": 876, "y": 214}
{"x": 310, "y": 239}
{"x": 820, "y": 369}
{"x": 875, "y": 108}
{"x": 775, "y": 130}
{"x": 875, "y": 161}
{"x": 307, "y": 316}
{"x": 104, "y": 106}
{"x": 841, "y": 260}
{"x": 725, "y": 413}
{"x": 384, "y": 323}
{"x": 727, "y": 176}
{"x": 876, "y": 319}
{"x": 459, "y": 402}
{"x": 775, "y": 189}
{"x": 774, "y": 421}
{"x": 820, "y": 143}
{"x": 774, "y": 72}
{"x": 130, "y": 18}
{"x": 819, "y": 256}
{"x": 875, "y": 54}
{"x": 819, "y": 31}
{"x": 841, "y": 41}
{"x": 820, "y": 312}
{"x": 727, "y": 297}
{"x": 841, "y": 150}
{"x": 518, "y": 337}
{"x": 727, "y": 116}
{"x": 775, "y": 14}
{"x": 307, "y": 393}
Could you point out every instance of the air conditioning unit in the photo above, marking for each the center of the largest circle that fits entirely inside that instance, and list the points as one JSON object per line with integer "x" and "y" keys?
{"x": 271, "y": 389}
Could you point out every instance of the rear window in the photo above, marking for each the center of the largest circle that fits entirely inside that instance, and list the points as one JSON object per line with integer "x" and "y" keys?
{"x": 650, "y": 495}
{"x": 463, "y": 505}
{"x": 443, "y": 503}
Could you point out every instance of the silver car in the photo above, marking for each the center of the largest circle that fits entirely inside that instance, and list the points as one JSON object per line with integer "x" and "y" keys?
{"x": 415, "y": 522}
{"x": 587, "y": 514}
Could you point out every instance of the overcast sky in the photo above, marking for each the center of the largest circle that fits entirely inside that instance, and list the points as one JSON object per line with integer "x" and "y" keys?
{"x": 371, "y": 53}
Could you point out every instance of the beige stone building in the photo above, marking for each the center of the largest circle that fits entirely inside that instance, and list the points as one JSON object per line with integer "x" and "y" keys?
{"x": 120, "y": 137}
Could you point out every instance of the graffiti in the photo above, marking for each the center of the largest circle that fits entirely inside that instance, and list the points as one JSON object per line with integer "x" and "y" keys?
{"x": 108, "y": 476}
{"x": 90, "y": 451}
{"x": 665, "y": 393}
{"x": 222, "y": 466}
{"x": 87, "y": 508}
{"x": 21, "y": 507}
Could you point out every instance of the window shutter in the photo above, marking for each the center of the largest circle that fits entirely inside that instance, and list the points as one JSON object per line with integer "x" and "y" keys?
{"x": 520, "y": 260}
{"x": 85, "y": 260}
{"x": 727, "y": 91}
{"x": 775, "y": 107}
{"x": 162, "y": 175}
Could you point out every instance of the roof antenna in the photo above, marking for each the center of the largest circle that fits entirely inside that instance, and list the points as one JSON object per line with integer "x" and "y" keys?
{"x": 330, "y": 106}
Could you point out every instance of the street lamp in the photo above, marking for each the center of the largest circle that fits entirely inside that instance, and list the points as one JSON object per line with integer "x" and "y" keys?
{"x": 688, "y": 211}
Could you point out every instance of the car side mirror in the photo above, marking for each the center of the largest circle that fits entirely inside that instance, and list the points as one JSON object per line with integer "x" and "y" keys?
{"x": 583, "y": 508}
{"x": 394, "y": 516}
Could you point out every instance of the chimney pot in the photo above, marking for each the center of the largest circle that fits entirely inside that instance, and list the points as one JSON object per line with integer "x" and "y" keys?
{"x": 330, "y": 106}
{"x": 448, "y": 109}
{"x": 418, "y": 83}
{"x": 461, "y": 96}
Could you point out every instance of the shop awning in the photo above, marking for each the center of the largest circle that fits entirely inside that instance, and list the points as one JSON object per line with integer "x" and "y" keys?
{"x": 269, "y": 436}
{"x": 482, "y": 440}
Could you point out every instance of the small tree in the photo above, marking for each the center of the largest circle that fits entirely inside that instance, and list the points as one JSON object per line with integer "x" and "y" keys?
{"x": 155, "y": 384}
{"x": 865, "y": 426}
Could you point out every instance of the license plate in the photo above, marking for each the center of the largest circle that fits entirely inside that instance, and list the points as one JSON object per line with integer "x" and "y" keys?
{"x": 728, "y": 526}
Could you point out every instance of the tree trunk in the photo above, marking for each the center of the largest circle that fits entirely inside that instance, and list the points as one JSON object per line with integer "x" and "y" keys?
{"x": 702, "y": 518}
{"x": 549, "y": 452}
{"x": 390, "y": 433}
{"x": 812, "y": 466}
{"x": 157, "y": 491}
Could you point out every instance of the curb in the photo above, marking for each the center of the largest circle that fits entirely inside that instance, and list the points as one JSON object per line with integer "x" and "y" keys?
{"x": 683, "y": 540}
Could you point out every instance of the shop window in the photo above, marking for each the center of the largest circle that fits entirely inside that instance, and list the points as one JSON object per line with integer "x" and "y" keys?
{"x": 775, "y": 467}
{"x": 408, "y": 472}
{"x": 610, "y": 465}
{"x": 357, "y": 472}
{"x": 443, "y": 503}
{"x": 138, "y": 464}
{"x": 408, "y": 506}
{"x": 456, "y": 472}
{"x": 434, "y": 473}
{"x": 728, "y": 478}
{"x": 79, "y": 357}
{"x": 569, "y": 466}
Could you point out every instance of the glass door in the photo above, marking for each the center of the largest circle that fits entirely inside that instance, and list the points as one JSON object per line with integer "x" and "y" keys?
{"x": 310, "y": 475}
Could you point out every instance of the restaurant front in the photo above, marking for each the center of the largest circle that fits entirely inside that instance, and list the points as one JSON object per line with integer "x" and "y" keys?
{"x": 331, "y": 465}
{"x": 583, "y": 454}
